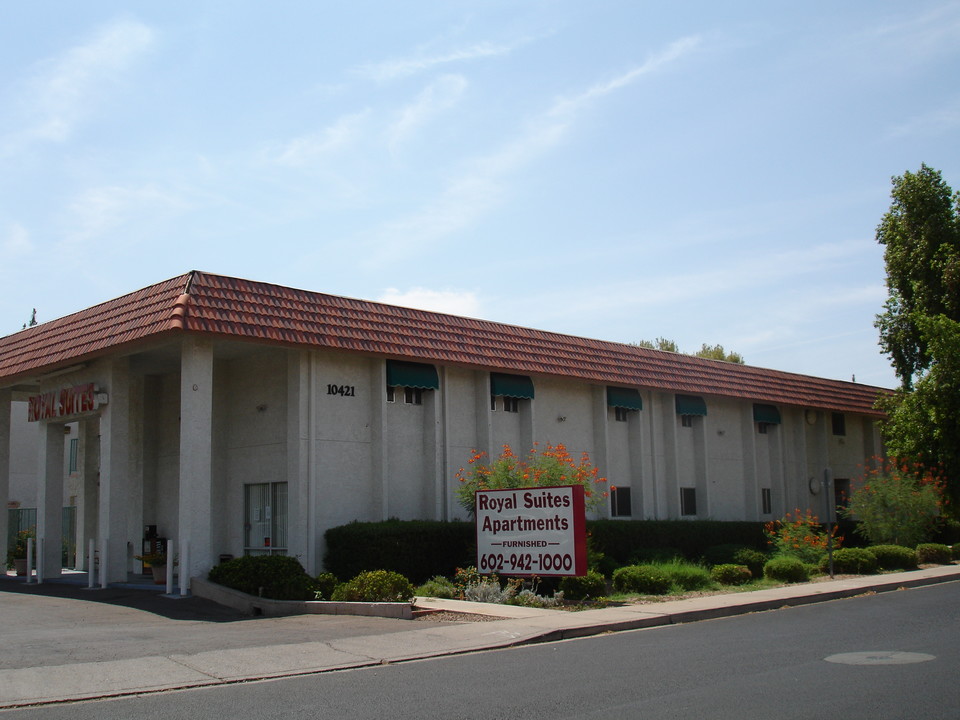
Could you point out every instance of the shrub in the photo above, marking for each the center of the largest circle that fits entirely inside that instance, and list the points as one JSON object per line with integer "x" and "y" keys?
{"x": 375, "y": 586}
{"x": 686, "y": 576}
{"x": 956, "y": 552}
{"x": 897, "y": 503}
{"x": 326, "y": 583}
{"x": 933, "y": 553}
{"x": 591, "y": 585}
{"x": 642, "y": 579}
{"x": 731, "y": 574}
{"x": 488, "y": 590}
{"x": 799, "y": 535}
{"x": 438, "y": 587}
{"x": 656, "y": 556}
{"x": 277, "y": 577}
{"x": 753, "y": 559}
{"x": 620, "y": 539}
{"x": 894, "y": 557}
{"x": 722, "y": 554}
{"x": 859, "y": 561}
{"x": 786, "y": 568}
{"x": 528, "y": 598}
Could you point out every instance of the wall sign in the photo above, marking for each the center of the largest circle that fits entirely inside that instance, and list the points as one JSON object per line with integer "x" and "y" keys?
{"x": 532, "y": 531}
{"x": 65, "y": 402}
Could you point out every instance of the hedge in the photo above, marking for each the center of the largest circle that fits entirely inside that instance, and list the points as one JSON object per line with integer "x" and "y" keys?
{"x": 421, "y": 549}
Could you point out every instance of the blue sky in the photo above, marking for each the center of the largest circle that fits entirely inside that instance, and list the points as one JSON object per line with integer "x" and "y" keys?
{"x": 708, "y": 172}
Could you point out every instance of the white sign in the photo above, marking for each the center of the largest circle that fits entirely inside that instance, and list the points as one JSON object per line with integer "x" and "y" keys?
{"x": 532, "y": 531}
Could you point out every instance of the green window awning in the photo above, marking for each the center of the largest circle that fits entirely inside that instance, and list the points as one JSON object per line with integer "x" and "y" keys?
{"x": 412, "y": 375}
{"x": 766, "y": 414}
{"x": 624, "y": 398}
{"x": 515, "y": 386}
{"x": 690, "y": 405}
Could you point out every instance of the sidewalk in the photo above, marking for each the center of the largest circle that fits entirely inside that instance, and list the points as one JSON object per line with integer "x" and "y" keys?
{"x": 62, "y": 645}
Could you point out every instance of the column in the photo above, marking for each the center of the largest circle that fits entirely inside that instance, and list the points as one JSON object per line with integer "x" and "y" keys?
{"x": 302, "y": 536}
{"x": 112, "y": 531}
{"x": 196, "y": 458}
{"x": 6, "y": 398}
{"x": 50, "y": 499}
{"x": 89, "y": 451}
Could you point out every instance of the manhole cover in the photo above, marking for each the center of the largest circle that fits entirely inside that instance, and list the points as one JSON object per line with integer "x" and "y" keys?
{"x": 879, "y": 657}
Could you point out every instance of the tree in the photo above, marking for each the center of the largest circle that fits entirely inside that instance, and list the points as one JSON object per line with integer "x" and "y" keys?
{"x": 711, "y": 352}
{"x": 920, "y": 325}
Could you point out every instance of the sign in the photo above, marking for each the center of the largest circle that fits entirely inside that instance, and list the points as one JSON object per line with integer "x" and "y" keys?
{"x": 75, "y": 400}
{"x": 532, "y": 531}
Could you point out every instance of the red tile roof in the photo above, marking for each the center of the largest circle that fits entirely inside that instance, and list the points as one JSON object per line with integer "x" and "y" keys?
{"x": 241, "y": 309}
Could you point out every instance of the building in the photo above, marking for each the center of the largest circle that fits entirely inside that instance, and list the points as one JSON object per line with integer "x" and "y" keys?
{"x": 243, "y": 417}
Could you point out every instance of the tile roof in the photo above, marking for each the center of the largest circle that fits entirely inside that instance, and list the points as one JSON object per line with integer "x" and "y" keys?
{"x": 242, "y": 309}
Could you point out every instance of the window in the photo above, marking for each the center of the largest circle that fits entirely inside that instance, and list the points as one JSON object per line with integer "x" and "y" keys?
{"x": 766, "y": 417}
{"x": 622, "y": 414}
{"x": 413, "y": 396}
{"x": 839, "y": 424}
{"x": 511, "y": 404}
{"x": 391, "y": 393}
{"x": 762, "y": 428}
{"x": 512, "y": 388}
{"x": 686, "y": 420}
{"x": 766, "y": 500}
{"x": 74, "y": 447}
{"x": 620, "y": 502}
{"x": 688, "y": 501}
{"x": 265, "y": 524}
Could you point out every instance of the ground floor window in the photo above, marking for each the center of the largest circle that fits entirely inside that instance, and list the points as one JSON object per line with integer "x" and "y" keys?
{"x": 265, "y": 526}
{"x": 766, "y": 499}
{"x": 620, "y": 502}
{"x": 688, "y": 501}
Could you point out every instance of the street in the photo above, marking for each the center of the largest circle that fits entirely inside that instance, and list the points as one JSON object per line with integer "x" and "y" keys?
{"x": 892, "y": 655}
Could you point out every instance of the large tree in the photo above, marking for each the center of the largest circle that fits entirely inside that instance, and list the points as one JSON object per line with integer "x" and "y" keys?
{"x": 711, "y": 352}
{"x": 920, "y": 325}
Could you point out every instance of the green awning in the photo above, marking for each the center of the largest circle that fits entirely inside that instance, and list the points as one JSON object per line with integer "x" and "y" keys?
{"x": 766, "y": 414}
{"x": 624, "y": 398}
{"x": 690, "y": 405}
{"x": 515, "y": 386}
{"x": 412, "y": 375}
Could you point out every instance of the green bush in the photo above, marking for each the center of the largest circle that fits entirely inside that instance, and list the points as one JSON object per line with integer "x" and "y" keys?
{"x": 786, "y": 568}
{"x": 894, "y": 557}
{"x": 722, "y": 554}
{"x": 933, "y": 554}
{"x": 956, "y": 552}
{"x": 591, "y": 585}
{"x": 655, "y": 556}
{"x": 620, "y": 539}
{"x": 753, "y": 559}
{"x": 731, "y": 574}
{"x": 375, "y": 586}
{"x": 642, "y": 579}
{"x": 686, "y": 576}
{"x": 438, "y": 587}
{"x": 857, "y": 561}
{"x": 276, "y": 577}
{"x": 417, "y": 549}
{"x": 326, "y": 584}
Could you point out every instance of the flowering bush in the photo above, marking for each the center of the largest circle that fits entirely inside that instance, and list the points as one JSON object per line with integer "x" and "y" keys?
{"x": 553, "y": 466}
{"x": 18, "y": 548}
{"x": 799, "y": 535}
{"x": 898, "y": 502}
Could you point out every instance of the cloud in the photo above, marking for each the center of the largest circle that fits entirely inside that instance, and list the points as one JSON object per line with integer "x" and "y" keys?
{"x": 482, "y": 185}
{"x": 402, "y": 67}
{"x": 307, "y": 149}
{"x": 440, "y": 95}
{"x": 98, "y": 211}
{"x": 453, "y": 302}
{"x": 16, "y": 241}
{"x": 65, "y": 89}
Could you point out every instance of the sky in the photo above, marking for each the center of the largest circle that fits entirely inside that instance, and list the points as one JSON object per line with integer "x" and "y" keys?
{"x": 699, "y": 171}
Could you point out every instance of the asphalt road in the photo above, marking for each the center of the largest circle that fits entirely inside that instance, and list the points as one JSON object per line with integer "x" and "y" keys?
{"x": 893, "y": 655}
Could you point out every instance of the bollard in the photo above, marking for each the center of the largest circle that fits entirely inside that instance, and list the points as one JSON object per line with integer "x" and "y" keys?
{"x": 91, "y": 562}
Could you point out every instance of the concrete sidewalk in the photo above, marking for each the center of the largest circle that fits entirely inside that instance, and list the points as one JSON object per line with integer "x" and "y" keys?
{"x": 62, "y": 645}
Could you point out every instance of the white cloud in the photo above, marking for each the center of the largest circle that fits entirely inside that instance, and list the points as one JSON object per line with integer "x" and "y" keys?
{"x": 309, "y": 148}
{"x": 402, "y": 67}
{"x": 440, "y": 95}
{"x": 481, "y": 188}
{"x": 98, "y": 211}
{"x": 453, "y": 302}
{"x": 16, "y": 241}
{"x": 66, "y": 88}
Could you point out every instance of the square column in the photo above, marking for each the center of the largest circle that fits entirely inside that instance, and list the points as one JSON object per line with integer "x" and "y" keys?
{"x": 5, "y": 409}
{"x": 196, "y": 459}
{"x": 115, "y": 476}
{"x": 50, "y": 500}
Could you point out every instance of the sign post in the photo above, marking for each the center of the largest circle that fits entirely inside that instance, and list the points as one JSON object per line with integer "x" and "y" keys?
{"x": 532, "y": 531}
